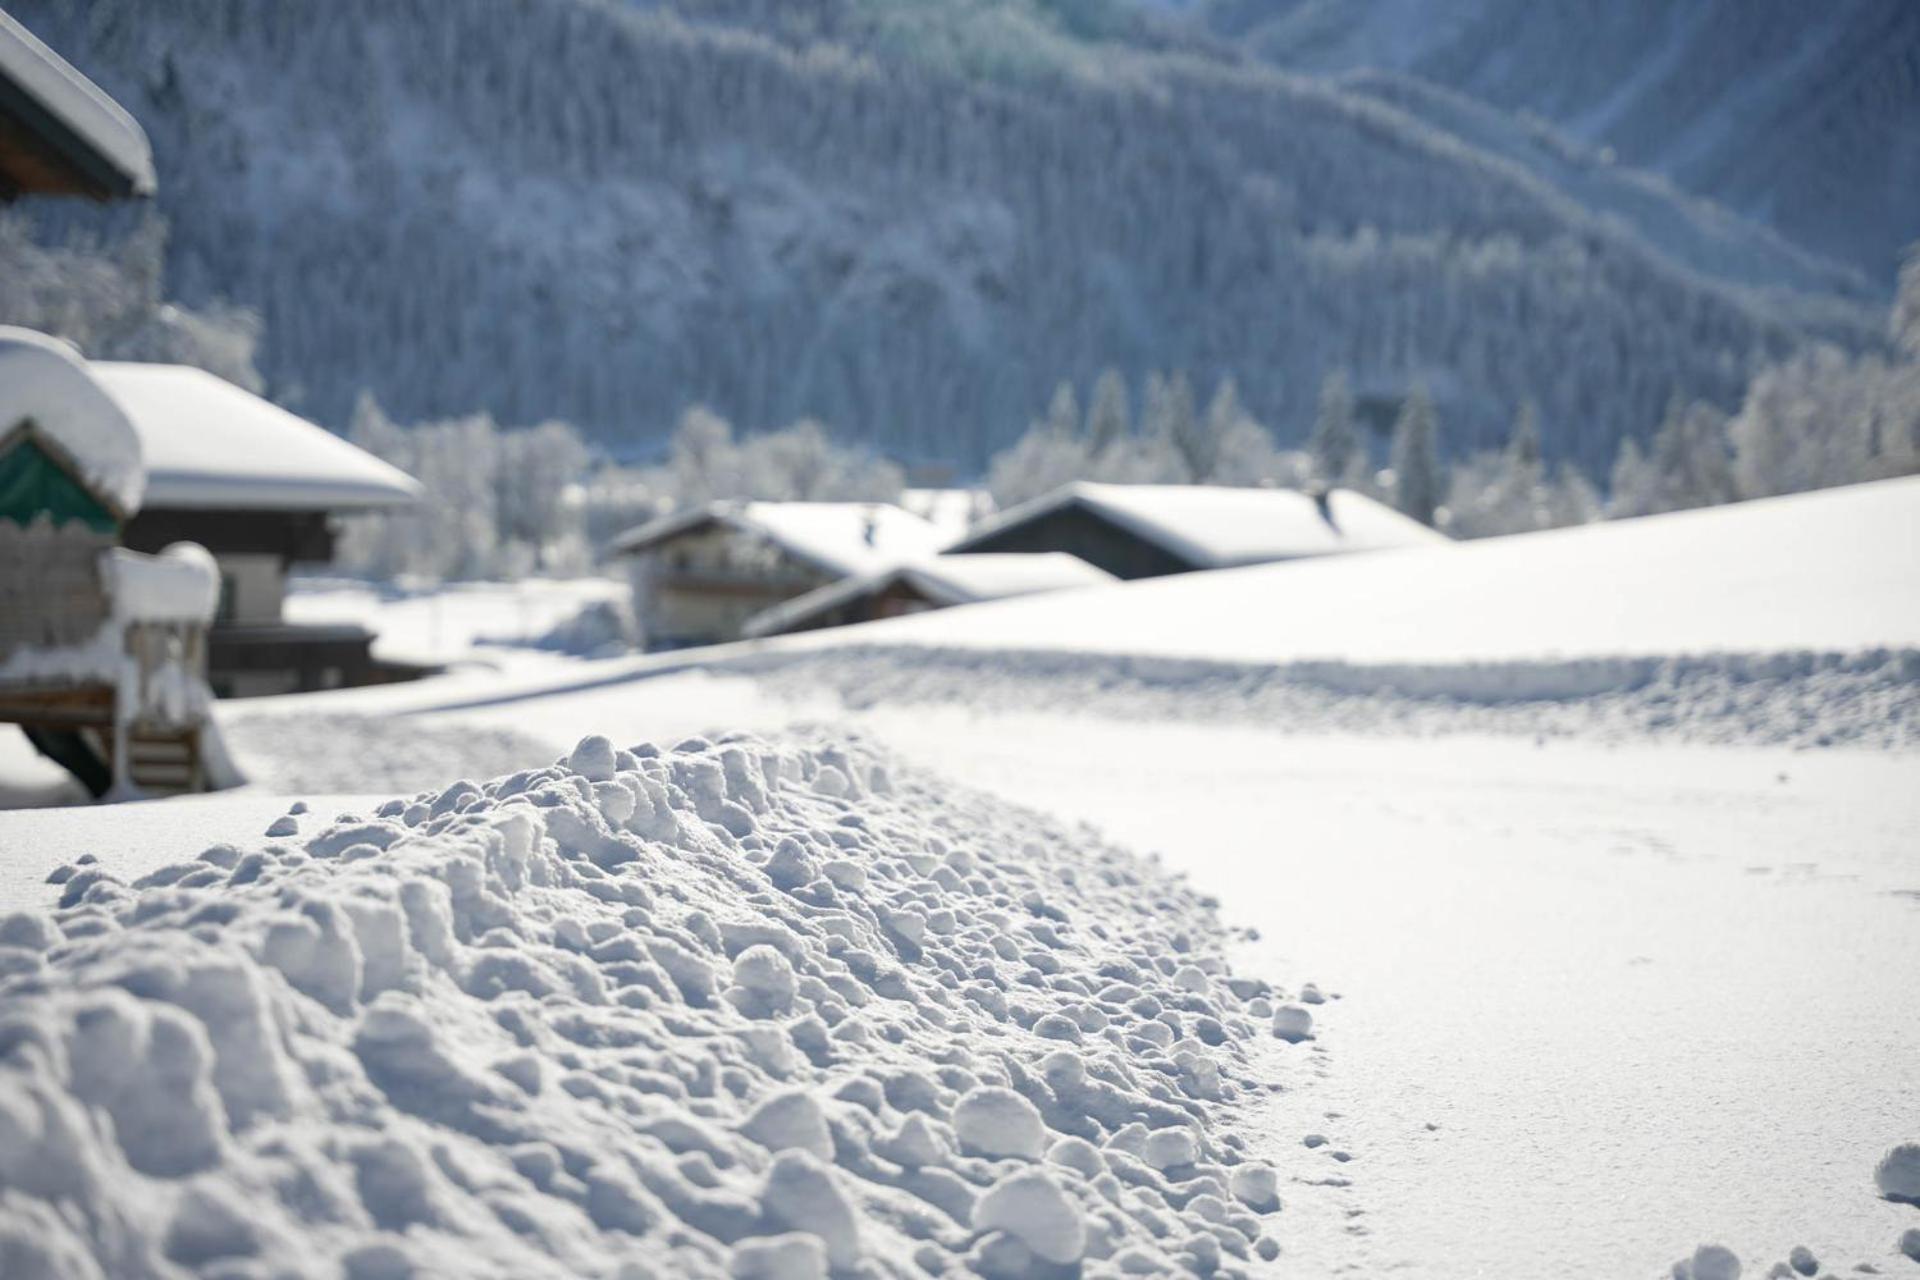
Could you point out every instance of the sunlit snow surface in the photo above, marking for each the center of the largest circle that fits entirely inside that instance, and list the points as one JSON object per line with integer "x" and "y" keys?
{"x": 728, "y": 1009}
{"x": 1589, "y": 1004}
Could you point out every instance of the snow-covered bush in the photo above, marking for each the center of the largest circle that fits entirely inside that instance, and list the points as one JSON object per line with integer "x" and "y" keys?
{"x": 1175, "y": 443}
{"x": 104, "y": 293}
{"x": 1514, "y": 490}
{"x": 498, "y": 503}
{"x": 799, "y": 463}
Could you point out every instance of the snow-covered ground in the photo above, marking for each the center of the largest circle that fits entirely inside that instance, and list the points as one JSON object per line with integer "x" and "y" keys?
{"x": 731, "y": 1009}
{"x": 488, "y": 623}
{"x": 1606, "y": 993}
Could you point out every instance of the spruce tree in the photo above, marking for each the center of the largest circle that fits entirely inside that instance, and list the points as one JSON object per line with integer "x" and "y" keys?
{"x": 1109, "y": 417}
{"x": 1416, "y": 462}
{"x": 1063, "y": 413}
{"x": 1334, "y": 446}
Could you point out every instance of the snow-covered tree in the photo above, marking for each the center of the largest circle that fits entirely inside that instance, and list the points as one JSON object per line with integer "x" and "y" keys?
{"x": 1415, "y": 458}
{"x": 1109, "y": 416}
{"x": 1335, "y": 446}
{"x": 1063, "y": 412}
{"x": 1688, "y": 464}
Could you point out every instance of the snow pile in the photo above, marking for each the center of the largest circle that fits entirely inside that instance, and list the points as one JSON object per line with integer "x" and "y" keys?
{"x": 45, "y": 382}
{"x": 733, "y": 1009}
{"x": 181, "y": 584}
{"x": 597, "y": 629}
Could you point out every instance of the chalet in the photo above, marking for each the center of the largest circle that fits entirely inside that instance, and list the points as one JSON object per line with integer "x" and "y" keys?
{"x": 102, "y": 650}
{"x": 1149, "y": 530}
{"x": 699, "y": 575}
{"x": 918, "y": 586}
{"x": 258, "y": 487}
{"x": 59, "y": 133}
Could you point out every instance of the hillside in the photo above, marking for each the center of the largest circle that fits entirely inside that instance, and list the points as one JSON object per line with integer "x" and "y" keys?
{"x": 822, "y": 209}
{"x": 1806, "y": 117}
{"x": 1687, "y": 584}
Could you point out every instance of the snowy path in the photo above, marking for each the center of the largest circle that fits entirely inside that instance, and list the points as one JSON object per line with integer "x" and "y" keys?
{"x": 1649, "y": 995}
{"x": 1652, "y": 995}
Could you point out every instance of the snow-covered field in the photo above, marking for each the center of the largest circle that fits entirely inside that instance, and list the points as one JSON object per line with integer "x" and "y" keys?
{"x": 1608, "y": 990}
{"x": 482, "y": 622}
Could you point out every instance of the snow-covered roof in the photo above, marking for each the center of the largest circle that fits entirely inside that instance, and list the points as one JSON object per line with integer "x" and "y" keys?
{"x": 1211, "y": 527}
{"x": 45, "y": 382}
{"x": 93, "y": 133}
{"x": 951, "y": 511}
{"x": 210, "y": 444}
{"x": 945, "y": 580}
{"x": 840, "y": 537}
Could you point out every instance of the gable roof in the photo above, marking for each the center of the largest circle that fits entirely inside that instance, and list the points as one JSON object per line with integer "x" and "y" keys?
{"x": 60, "y": 132}
{"x": 212, "y": 445}
{"x": 1213, "y": 527}
{"x": 945, "y": 580}
{"x": 831, "y": 536}
{"x": 48, "y": 390}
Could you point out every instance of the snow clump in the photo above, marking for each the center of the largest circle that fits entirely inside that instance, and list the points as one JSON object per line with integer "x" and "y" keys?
{"x": 1898, "y": 1174}
{"x": 732, "y": 1010}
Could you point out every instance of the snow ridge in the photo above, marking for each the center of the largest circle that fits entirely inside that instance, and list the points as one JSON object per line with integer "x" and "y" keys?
{"x": 1866, "y": 698}
{"x": 734, "y": 1008}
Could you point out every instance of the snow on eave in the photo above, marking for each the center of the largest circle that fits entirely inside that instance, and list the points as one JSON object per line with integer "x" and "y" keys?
{"x": 763, "y": 519}
{"x": 212, "y": 445}
{"x": 100, "y": 137}
{"x": 657, "y": 530}
{"x": 943, "y": 579}
{"x": 48, "y": 391}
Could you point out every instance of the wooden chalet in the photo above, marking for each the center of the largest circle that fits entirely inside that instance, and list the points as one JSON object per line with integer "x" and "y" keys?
{"x": 259, "y": 487}
{"x": 699, "y": 575}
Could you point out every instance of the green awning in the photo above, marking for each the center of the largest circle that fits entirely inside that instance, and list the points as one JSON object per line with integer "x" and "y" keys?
{"x": 33, "y": 484}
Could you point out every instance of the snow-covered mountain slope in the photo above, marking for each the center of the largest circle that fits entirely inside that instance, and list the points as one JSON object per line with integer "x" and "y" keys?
{"x": 858, "y": 212}
{"x": 1828, "y": 572}
{"x": 1804, "y": 116}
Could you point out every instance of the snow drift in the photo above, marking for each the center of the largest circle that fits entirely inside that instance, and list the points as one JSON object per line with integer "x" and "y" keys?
{"x": 729, "y": 1009}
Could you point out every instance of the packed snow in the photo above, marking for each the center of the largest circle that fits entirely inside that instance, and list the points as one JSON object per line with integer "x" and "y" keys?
{"x": 210, "y": 444}
{"x": 1212, "y": 528}
{"x": 181, "y": 584}
{"x": 46, "y": 382}
{"x": 731, "y": 1008}
{"x": 458, "y": 622}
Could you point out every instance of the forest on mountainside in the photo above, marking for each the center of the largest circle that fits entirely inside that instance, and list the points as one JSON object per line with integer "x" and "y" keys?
{"x": 606, "y": 213}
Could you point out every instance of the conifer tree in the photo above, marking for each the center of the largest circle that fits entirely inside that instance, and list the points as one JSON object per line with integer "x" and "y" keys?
{"x": 1334, "y": 447}
{"x": 1109, "y": 417}
{"x": 1416, "y": 462}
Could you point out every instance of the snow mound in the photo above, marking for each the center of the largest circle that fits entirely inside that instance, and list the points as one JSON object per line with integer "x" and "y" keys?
{"x": 1709, "y": 1262}
{"x": 1898, "y": 1174}
{"x": 731, "y": 1009}
{"x": 45, "y": 382}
